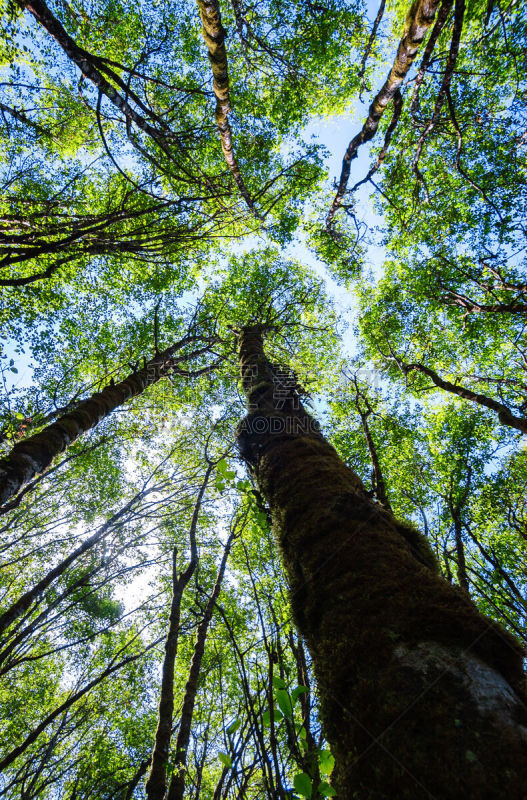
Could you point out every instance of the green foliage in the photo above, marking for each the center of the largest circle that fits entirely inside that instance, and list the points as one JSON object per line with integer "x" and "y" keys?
{"x": 302, "y": 784}
{"x": 115, "y": 243}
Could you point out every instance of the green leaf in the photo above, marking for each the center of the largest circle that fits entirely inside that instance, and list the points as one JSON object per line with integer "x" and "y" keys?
{"x": 222, "y": 466}
{"x": 225, "y": 759}
{"x": 295, "y": 694}
{"x": 301, "y": 731}
{"x": 284, "y": 703}
{"x": 278, "y": 683}
{"x": 233, "y": 727}
{"x": 326, "y": 762}
{"x": 18, "y": 415}
{"x": 266, "y": 716}
{"x": 302, "y": 784}
{"x": 326, "y": 790}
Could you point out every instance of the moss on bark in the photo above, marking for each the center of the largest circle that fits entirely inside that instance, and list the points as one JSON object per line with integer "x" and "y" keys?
{"x": 421, "y": 695}
{"x": 33, "y": 455}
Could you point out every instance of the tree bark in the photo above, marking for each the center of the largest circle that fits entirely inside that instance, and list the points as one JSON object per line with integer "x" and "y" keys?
{"x": 156, "y": 783}
{"x": 439, "y": 24}
{"x": 420, "y": 694}
{"x": 459, "y": 13}
{"x": 214, "y": 35}
{"x": 456, "y": 512}
{"x": 460, "y": 556}
{"x": 35, "y": 454}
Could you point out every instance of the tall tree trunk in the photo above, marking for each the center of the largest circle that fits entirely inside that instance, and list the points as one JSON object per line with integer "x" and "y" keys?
{"x": 177, "y": 783}
{"x": 456, "y": 510}
{"x": 460, "y": 556}
{"x": 35, "y": 454}
{"x": 214, "y": 35}
{"x": 420, "y": 694}
{"x": 157, "y": 779}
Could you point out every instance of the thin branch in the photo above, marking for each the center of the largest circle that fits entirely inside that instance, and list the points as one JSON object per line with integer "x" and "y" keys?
{"x": 505, "y": 415}
{"x": 459, "y": 13}
{"x": 367, "y": 51}
{"x": 73, "y": 698}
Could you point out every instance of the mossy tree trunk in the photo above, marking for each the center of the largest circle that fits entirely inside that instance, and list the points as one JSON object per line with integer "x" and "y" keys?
{"x": 34, "y": 455}
{"x": 421, "y": 696}
{"x": 214, "y": 35}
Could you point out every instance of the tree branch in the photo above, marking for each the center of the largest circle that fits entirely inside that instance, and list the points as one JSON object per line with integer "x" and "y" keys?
{"x": 418, "y": 21}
